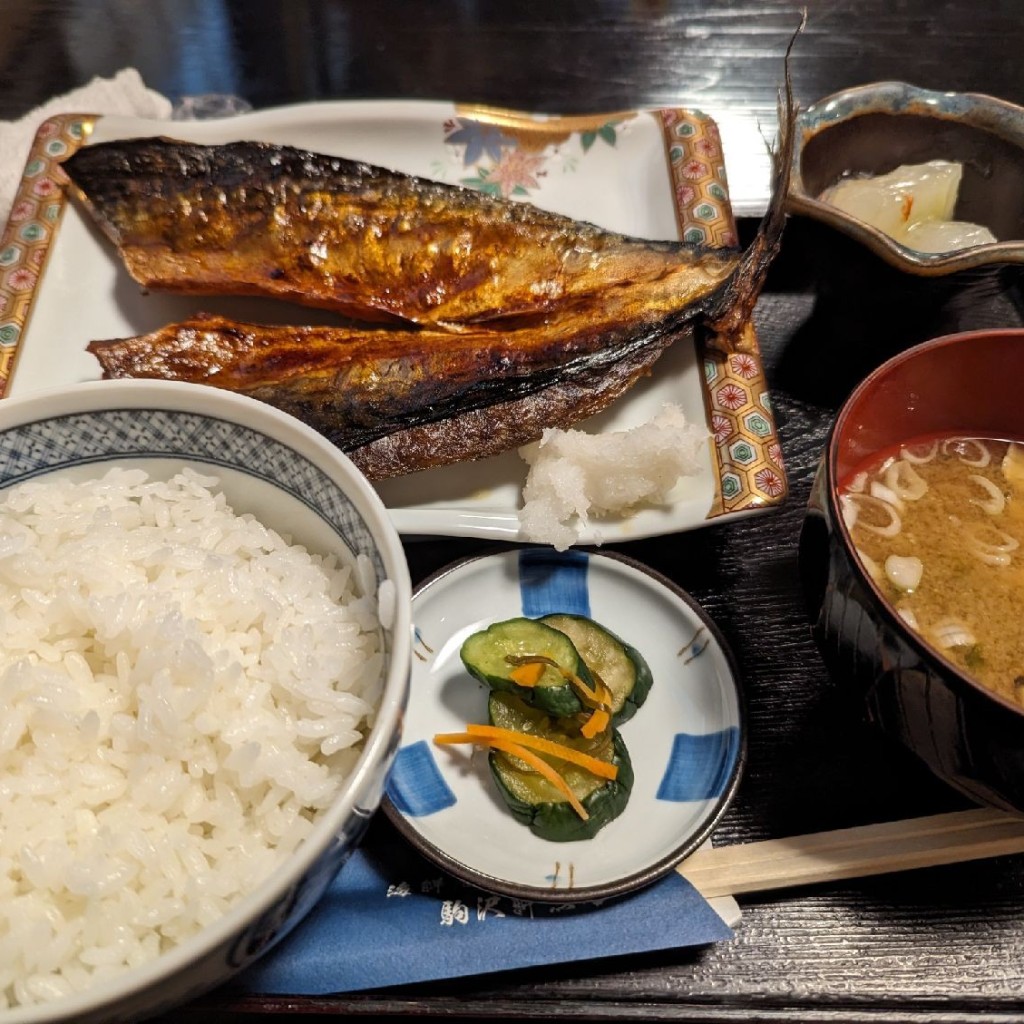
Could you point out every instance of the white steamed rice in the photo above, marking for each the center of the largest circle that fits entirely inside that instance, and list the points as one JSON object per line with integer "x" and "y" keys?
{"x": 182, "y": 690}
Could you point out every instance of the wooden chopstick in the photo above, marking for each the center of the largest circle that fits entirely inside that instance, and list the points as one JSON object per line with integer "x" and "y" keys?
{"x": 853, "y": 852}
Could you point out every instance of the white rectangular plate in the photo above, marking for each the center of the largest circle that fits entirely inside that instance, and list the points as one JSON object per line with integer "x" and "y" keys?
{"x": 651, "y": 174}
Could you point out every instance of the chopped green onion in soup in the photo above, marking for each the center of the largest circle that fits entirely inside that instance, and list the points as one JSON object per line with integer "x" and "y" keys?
{"x": 938, "y": 524}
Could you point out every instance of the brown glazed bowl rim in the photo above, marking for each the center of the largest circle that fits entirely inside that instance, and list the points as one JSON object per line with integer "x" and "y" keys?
{"x": 974, "y": 111}
{"x": 928, "y": 654}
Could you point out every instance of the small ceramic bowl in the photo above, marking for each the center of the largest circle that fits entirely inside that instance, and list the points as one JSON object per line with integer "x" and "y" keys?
{"x": 271, "y": 465}
{"x": 967, "y": 384}
{"x": 872, "y": 129}
{"x": 687, "y": 741}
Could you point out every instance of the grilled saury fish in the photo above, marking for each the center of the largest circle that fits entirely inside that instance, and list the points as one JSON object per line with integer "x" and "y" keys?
{"x": 399, "y": 400}
{"x": 499, "y": 319}
{"x": 254, "y": 219}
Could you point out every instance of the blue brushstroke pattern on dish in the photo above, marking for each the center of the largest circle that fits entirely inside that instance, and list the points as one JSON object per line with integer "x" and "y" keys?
{"x": 416, "y": 786}
{"x": 699, "y": 766}
{"x": 548, "y": 582}
{"x": 552, "y": 582}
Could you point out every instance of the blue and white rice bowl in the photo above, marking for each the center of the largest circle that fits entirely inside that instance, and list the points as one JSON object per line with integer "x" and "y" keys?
{"x": 295, "y": 483}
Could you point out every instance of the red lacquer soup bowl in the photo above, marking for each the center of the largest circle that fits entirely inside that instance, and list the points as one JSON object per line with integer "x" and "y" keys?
{"x": 968, "y": 384}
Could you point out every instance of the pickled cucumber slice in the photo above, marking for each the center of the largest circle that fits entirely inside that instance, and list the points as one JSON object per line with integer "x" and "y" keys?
{"x": 499, "y": 656}
{"x": 620, "y": 666}
{"x": 534, "y": 801}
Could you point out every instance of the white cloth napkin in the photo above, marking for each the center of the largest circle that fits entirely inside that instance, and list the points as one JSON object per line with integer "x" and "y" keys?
{"x": 125, "y": 93}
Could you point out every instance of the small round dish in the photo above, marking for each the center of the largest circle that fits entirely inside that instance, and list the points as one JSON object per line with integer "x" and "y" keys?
{"x": 872, "y": 129}
{"x": 687, "y": 740}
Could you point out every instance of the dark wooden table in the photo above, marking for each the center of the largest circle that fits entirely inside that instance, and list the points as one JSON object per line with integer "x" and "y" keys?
{"x": 937, "y": 944}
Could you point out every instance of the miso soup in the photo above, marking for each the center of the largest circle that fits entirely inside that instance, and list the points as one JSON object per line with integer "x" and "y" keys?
{"x": 939, "y": 526}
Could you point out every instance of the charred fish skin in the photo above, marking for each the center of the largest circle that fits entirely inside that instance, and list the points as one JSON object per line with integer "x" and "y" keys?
{"x": 360, "y": 385}
{"x": 403, "y": 400}
{"x": 252, "y": 218}
{"x": 397, "y": 408}
{"x": 484, "y": 432}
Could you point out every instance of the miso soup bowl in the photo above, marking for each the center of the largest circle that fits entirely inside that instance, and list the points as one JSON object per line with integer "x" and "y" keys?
{"x": 968, "y": 384}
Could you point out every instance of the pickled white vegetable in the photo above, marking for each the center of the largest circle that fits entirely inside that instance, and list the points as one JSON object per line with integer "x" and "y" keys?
{"x": 913, "y": 204}
{"x": 946, "y": 235}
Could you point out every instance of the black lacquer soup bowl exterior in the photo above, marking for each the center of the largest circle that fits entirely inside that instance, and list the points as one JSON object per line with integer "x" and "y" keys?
{"x": 967, "y": 735}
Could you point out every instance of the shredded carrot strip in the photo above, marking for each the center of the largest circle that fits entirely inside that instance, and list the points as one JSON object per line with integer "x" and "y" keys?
{"x": 527, "y": 674}
{"x": 455, "y": 737}
{"x": 601, "y": 716}
{"x": 591, "y": 696}
{"x": 602, "y": 769}
{"x": 594, "y": 765}
{"x": 538, "y": 764}
{"x": 596, "y": 723}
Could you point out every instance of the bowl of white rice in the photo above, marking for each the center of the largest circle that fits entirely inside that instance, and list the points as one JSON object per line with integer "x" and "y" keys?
{"x": 204, "y": 662}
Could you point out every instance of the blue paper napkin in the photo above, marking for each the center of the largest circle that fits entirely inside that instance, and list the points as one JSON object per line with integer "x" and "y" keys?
{"x": 391, "y": 918}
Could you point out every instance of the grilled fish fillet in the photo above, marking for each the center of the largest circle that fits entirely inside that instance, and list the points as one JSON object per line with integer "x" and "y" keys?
{"x": 509, "y": 319}
{"x": 249, "y": 218}
{"x": 368, "y": 389}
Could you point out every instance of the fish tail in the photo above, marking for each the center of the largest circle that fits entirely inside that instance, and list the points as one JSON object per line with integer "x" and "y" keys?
{"x": 728, "y": 323}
